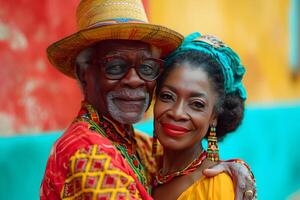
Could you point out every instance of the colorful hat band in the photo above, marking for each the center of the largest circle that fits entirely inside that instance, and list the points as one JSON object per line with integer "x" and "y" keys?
{"x": 115, "y": 21}
{"x": 229, "y": 61}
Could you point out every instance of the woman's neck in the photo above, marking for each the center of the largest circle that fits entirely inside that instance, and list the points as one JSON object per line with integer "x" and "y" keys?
{"x": 174, "y": 161}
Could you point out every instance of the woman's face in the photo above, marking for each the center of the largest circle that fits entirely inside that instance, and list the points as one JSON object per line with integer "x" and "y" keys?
{"x": 184, "y": 108}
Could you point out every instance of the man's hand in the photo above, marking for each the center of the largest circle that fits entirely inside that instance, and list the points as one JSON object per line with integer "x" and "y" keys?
{"x": 241, "y": 175}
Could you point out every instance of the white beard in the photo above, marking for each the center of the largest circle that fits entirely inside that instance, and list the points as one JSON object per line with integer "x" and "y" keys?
{"x": 127, "y": 117}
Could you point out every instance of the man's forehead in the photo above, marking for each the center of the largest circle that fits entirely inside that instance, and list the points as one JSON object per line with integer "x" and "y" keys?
{"x": 117, "y": 46}
{"x": 122, "y": 46}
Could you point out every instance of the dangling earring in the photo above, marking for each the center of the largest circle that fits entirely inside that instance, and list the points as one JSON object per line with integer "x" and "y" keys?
{"x": 154, "y": 145}
{"x": 212, "y": 149}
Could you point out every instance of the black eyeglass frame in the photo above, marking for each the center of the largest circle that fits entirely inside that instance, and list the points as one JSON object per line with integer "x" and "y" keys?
{"x": 104, "y": 61}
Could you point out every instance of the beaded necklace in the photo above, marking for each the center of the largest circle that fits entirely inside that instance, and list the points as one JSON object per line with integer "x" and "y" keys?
{"x": 162, "y": 179}
{"x": 124, "y": 142}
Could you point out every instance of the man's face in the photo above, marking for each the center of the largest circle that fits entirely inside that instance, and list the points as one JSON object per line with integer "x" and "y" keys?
{"x": 127, "y": 98}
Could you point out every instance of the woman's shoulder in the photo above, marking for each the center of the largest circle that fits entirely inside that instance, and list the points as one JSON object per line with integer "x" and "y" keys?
{"x": 217, "y": 187}
{"x": 220, "y": 180}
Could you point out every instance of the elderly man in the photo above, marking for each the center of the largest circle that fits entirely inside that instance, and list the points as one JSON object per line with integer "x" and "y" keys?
{"x": 115, "y": 56}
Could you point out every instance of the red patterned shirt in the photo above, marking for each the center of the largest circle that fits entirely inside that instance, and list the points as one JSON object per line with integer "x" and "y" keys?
{"x": 84, "y": 164}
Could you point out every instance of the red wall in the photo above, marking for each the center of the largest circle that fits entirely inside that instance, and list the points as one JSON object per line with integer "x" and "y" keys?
{"x": 34, "y": 96}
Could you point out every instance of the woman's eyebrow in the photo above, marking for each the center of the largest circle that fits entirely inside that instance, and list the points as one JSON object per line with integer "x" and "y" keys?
{"x": 198, "y": 94}
{"x": 193, "y": 94}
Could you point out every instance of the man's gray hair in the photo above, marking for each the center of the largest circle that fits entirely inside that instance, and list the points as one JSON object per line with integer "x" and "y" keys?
{"x": 82, "y": 63}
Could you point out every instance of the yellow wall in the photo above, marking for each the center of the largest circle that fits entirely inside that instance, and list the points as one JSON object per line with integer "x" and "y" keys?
{"x": 257, "y": 30}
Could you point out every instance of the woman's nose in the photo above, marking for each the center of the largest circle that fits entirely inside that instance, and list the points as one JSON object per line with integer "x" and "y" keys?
{"x": 179, "y": 112}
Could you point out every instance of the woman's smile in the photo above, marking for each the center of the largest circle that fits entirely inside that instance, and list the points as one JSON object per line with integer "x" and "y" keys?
{"x": 174, "y": 130}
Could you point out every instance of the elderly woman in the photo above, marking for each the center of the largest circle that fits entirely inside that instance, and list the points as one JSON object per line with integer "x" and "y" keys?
{"x": 200, "y": 94}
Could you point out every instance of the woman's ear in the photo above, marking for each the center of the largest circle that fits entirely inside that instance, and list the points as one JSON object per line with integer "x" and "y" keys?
{"x": 214, "y": 120}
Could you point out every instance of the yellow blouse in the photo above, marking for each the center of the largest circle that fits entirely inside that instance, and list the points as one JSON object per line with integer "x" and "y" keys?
{"x": 219, "y": 187}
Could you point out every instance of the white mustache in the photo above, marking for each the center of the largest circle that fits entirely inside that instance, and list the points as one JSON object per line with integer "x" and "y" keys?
{"x": 129, "y": 93}
{"x": 126, "y": 93}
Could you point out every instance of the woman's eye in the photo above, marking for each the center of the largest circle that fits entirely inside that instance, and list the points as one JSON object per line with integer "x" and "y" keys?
{"x": 197, "y": 104}
{"x": 165, "y": 96}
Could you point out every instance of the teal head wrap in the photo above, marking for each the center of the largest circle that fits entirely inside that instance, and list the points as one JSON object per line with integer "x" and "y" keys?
{"x": 229, "y": 61}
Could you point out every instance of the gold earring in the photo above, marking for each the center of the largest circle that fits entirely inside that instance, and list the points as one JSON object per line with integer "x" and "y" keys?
{"x": 212, "y": 149}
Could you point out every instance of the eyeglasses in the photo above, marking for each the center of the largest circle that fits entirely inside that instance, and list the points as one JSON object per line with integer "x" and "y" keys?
{"x": 117, "y": 66}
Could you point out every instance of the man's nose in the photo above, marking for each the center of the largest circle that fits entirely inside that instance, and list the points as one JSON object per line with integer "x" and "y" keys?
{"x": 132, "y": 79}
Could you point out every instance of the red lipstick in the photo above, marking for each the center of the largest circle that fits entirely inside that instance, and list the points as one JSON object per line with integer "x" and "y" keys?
{"x": 173, "y": 130}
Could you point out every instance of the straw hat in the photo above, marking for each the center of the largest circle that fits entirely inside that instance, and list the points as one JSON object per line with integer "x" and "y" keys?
{"x": 109, "y": 19}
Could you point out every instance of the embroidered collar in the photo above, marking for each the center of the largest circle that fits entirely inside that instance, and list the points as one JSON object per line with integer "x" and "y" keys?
{"x": 117, "y": 133}
{"x": 122, "y": 137}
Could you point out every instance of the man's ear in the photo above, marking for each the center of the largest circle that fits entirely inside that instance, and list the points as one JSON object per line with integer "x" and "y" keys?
{"x": 81, "y": 65}
{"x": 81, "y": 77}
{"x": 80, "y": 73}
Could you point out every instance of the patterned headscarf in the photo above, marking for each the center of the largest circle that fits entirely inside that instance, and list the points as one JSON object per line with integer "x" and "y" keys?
{"x": 229, "y": 61}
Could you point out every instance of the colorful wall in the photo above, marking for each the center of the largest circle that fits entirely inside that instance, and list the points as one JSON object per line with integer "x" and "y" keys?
{"x": 33, "y": 95}
{"x": 257, "y": 30}
{"x": 32, "y": 91}
{"x": 35, "y": 99}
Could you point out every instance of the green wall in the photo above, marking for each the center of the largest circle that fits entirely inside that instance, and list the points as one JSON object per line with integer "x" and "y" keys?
{"x": 267, "y": 140}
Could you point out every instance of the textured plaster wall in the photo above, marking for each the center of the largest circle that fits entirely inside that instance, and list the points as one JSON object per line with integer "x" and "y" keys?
{"x": 33, "y": 95}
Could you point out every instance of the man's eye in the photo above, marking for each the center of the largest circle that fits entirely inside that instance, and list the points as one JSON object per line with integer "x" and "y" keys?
{"x": 147, "y": 69}
{"x": 115, "y": 67}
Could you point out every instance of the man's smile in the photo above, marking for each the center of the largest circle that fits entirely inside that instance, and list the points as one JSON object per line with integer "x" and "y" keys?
{"x": 129, "y": 105}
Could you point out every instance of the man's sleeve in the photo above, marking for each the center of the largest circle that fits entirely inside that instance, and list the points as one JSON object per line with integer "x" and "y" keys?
{"x": 150, "y": 162}
{"x": 94, "y": 174}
